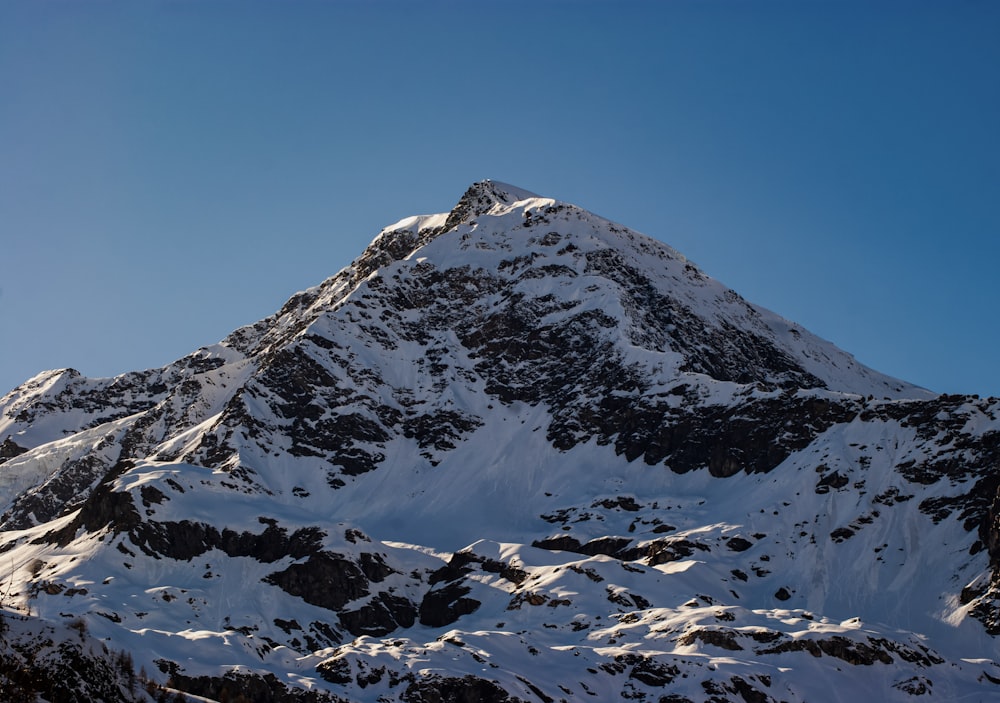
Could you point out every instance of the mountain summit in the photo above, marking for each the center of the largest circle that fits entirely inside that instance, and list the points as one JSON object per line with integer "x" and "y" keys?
{"x": 512, "y": 452}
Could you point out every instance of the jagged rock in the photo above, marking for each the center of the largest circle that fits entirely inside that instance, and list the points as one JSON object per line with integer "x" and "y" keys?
{"x": 104, "y": 508}
{"x": 251, "y": 687}
{"x": 724, "y": 639}
{"x": 324, "y": 579}
{"x": 10, "y": 449}
{"x": 467, "y": 689}
{"x": 381, "y": 616}
{"x": 445, "y": 605}
{"x": 738, "y": 544}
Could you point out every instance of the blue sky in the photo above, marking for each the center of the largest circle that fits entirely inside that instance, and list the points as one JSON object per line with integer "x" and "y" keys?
{"x": 170, "y": 171}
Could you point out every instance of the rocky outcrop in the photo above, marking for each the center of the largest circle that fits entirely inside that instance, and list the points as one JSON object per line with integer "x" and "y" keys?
{"x": 235, "y": 686}
{"x": 10, "y": 449}
{"x": 467, "y": 689}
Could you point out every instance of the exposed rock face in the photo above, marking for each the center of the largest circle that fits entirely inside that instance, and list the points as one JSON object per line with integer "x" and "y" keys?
{"x": 513, "y": 452}
{"x": 10, "y": 449}
{"x": 63, "y": 662}
{"x": 467, "y": 689}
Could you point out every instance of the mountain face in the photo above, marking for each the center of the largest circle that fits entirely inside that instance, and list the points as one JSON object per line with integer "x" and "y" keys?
{"x": 513, "y": 452}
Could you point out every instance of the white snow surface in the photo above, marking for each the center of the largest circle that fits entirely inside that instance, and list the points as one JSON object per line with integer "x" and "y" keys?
{"x": 787, "y": 609}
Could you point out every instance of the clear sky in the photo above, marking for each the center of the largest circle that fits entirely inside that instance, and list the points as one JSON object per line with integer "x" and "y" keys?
{"x": 170, "y": 171}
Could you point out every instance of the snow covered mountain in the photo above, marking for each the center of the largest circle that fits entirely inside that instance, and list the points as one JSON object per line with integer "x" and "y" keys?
{"x": 513, "y": 452}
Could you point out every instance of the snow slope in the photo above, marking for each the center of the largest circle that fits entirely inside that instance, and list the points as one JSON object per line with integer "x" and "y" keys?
{"x": 514, "y": 452}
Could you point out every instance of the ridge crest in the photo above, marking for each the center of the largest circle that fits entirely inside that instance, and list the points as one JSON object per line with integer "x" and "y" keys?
{"x": 483, "y": 196}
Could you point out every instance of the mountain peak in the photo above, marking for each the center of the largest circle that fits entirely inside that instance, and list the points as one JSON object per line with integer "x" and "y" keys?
{"x": 400, "y": 239}
{"x": 511, "y": 405}
{"x": 482, "y": 197}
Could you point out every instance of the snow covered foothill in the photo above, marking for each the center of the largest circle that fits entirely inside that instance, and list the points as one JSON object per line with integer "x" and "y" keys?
{"x": 514, "y": 452}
